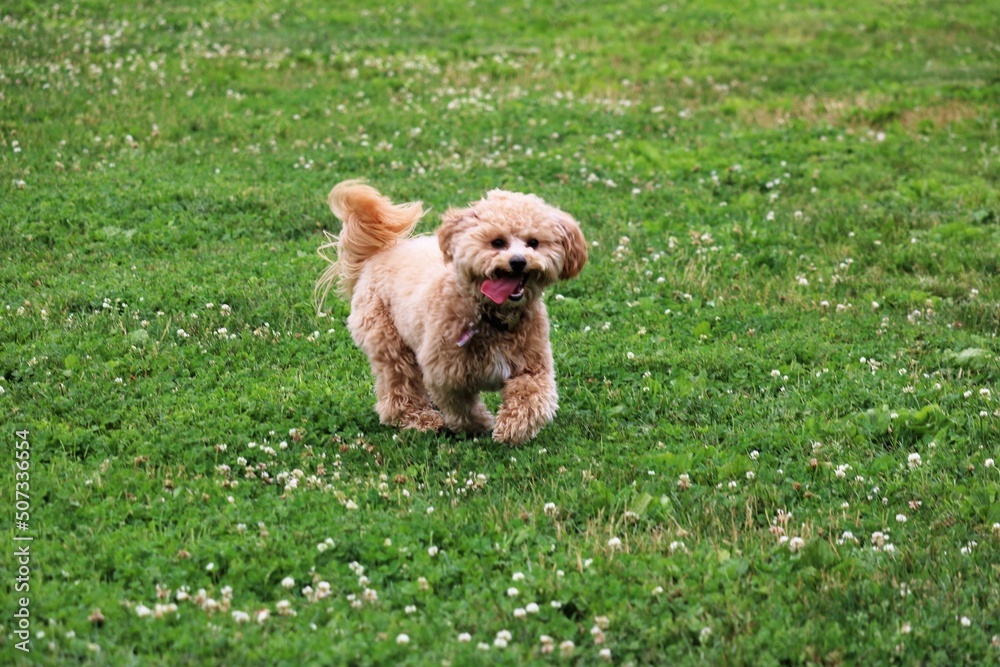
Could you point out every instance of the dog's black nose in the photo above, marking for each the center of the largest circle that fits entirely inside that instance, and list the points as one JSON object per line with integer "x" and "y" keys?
{"x": 517, "y": 263}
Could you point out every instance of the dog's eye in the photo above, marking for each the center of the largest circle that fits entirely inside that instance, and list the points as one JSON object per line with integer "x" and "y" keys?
{"x": 532, "y": 243}
{"x": 499, "y": 244}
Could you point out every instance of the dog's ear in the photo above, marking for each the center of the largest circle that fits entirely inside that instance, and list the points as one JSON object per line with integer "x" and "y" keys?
{"x": 574, "y": 246}
{"x": 453, "y": 221}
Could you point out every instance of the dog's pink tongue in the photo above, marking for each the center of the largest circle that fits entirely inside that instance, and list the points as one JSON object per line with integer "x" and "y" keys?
{"x": 499, "y": 289}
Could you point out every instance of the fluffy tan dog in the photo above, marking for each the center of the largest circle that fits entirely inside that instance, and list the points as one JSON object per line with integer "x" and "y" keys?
{"x": 444, "y": 318}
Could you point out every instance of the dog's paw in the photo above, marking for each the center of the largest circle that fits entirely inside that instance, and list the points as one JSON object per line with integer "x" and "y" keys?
{"x": 424, "y": 420}
{"x": 474, "y": 419}
{"x": 513, "y": 432}
{"x": 470, "y": 424}
{"x": 481, "y": 420}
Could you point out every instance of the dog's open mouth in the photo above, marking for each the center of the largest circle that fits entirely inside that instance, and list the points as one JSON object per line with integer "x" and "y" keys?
{"x": 504, "y": 287}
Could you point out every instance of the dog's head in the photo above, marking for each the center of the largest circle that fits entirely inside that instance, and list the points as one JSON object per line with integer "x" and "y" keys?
{"x": 511, "y": 246}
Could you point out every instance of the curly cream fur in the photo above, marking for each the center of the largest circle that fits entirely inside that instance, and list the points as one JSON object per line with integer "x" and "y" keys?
{"x": 414, "y": 299}
{"x": 371, "y": 224}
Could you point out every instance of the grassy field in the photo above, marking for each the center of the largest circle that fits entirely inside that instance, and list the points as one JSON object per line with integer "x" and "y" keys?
{"x": 779, "y": 372}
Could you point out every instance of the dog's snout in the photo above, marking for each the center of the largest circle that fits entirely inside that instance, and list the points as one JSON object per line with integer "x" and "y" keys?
{"x": 518, "y": 263}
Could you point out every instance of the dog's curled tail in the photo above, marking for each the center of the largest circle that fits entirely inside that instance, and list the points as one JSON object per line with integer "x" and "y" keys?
{"x": 371, "y": 223}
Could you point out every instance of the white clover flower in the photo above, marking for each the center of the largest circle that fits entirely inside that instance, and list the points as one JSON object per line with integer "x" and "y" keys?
{"x": 566, "y": 648}
{"x": 432, "y": 551}
{"x": 513, "y": 592}
{"x": 287, "y": 582}
{"x": 705, "y": 633}
{"x": 605, "y": 654}
{"x": 901, "y": 518}
{"x": 614, "y": 543}
{"x": 142, "y": 611}
{"x": 520, "y": 613}
{"x": 795, "y": 544}
{"x": 965, "y": 621}
{"x": 465, "y": 637}
{"x": 754, "y": 455}
{"x": 518, "y": 576}
{"x": 410, "y": 609}
{"x": 531, "y": 608}
{"x": 913, "y": 460}
{"x": 988, "y": 463}
{"x": 550, "y": 509}
{"x": 402, "y": 638}
{"x": 240, "y": 616}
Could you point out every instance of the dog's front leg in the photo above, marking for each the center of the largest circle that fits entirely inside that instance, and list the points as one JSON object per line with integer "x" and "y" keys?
{"x": 530, "y": 402}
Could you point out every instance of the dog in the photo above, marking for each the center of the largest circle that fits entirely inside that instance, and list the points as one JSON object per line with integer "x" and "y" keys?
{"x": 443, "y": 318}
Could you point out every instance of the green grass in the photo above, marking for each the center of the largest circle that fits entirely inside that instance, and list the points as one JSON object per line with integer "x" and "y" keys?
{"x": 755, "y": 178}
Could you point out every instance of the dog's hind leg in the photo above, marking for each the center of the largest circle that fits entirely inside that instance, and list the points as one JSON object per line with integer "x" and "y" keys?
{"x": 401, "y": 396}
{"x": 464, "y": 411}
